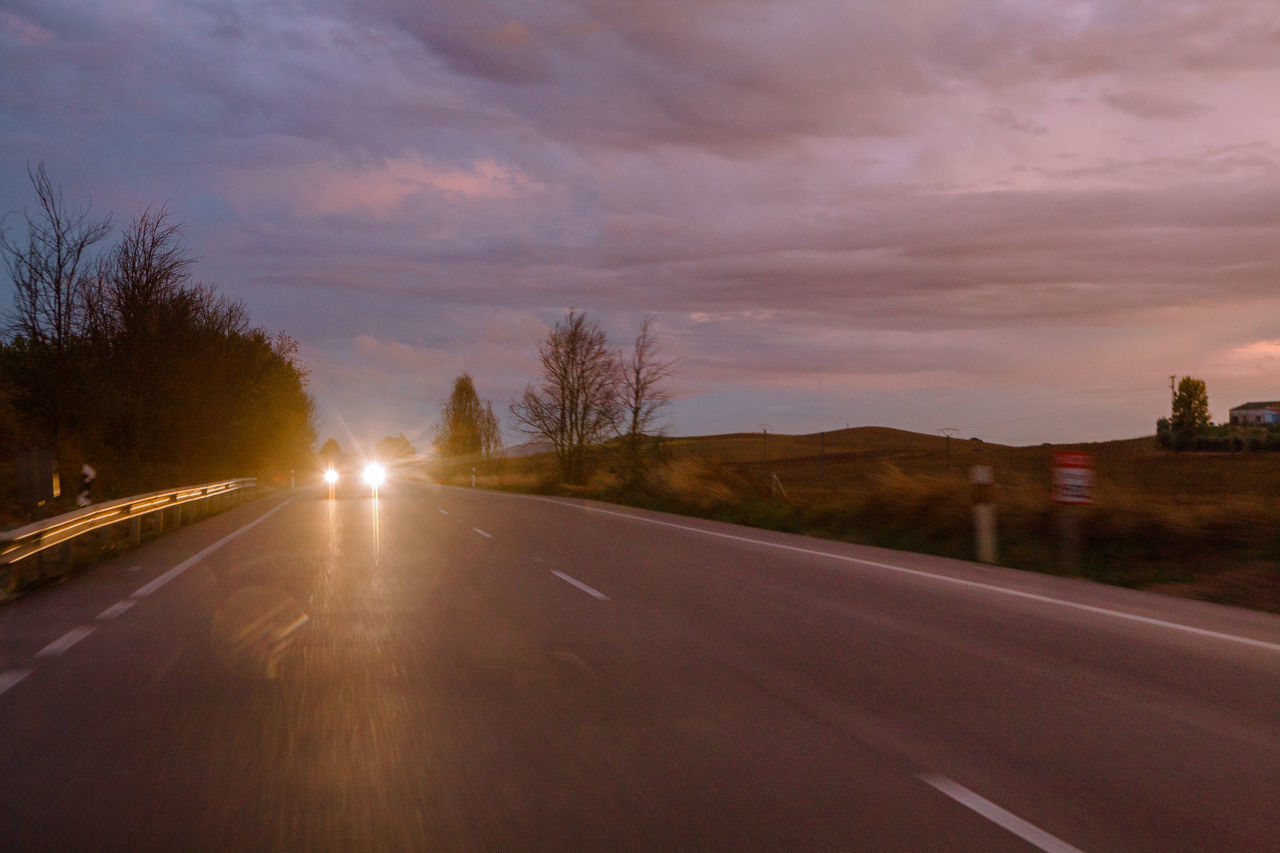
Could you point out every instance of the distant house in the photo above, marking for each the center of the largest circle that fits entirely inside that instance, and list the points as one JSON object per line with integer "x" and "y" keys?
{"x": 1256, "y": 413}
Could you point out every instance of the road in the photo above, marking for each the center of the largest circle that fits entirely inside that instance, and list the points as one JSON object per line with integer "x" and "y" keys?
{"x": 447, "y": 669}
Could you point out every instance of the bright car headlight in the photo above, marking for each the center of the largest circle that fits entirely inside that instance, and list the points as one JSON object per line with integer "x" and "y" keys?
{"x": 330, "y": 476}
{"x": 374, "y": 474}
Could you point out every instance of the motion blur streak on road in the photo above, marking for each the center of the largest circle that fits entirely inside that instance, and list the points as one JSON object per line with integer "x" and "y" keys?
{"x": 454, "y": 669}
{"x": 375, "y": 510}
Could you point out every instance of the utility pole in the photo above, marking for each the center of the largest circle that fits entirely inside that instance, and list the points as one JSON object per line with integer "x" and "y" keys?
{"x": 948, "y": 432}
{"x": 764, "y": 440}
{"x": 1172, "y": 393}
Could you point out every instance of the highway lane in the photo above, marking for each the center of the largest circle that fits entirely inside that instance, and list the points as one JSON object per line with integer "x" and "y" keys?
{"x": 453, "y": 669}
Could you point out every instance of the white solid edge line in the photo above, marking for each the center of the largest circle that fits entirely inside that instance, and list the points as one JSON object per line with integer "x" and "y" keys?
{"x": 594, "y": 593}
{"x": 482, "y": 533}
{"x": 1028, "y": 832}
{"x": 12, "y": 677}
{"x": 144, "y": 591}
{"x": 1119, "y": 614}
{"x": 116, "y": 609}
{"x": 66, "y": 641}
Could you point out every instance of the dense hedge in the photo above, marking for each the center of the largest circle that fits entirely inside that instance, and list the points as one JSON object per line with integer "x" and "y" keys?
{"x": 1222, "y": 438}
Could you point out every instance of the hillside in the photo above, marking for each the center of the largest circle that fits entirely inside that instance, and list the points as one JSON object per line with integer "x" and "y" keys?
{"x": 1134, "y": 468}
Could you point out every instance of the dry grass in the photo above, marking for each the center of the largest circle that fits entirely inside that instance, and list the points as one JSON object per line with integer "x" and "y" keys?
{"x": 1199, "y": 525}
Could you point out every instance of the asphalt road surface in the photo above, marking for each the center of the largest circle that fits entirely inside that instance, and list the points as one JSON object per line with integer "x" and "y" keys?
{"x": 446, "y": 669}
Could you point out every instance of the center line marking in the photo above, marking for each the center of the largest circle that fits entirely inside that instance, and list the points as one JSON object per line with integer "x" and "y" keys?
{"x": 594, "y": 593}
{"x": 66, "y": 641}
{"x": 1000, "y": 590}
{"x": 482, "y": 533}
{"x": 12, "y": 677}
{"x": 116, "y": 609}
{"x": 1028, "y": 832}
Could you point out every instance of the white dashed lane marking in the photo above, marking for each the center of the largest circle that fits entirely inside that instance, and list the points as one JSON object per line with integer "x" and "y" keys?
{"x": 9, "y": 678}
{"x": 995, "y": 588}
{"x": 1028, "y": 832}
{"x": 594, "y": 593}
{"x": 66, "y": 641}
{"x": 147, "y": 589}
{"x": 12, "y": 677}
{"x": 482, "y": 533}
{"x": 116, "y": 609}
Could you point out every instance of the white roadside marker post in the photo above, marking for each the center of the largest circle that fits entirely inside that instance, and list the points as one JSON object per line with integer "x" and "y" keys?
{"x": 983, "y": 483}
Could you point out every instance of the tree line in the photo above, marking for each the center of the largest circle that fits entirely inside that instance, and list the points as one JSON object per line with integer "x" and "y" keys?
{"x": 592, "y": 404}
{"x": 1189, "y": 427}
{"x": 118, "y": 356}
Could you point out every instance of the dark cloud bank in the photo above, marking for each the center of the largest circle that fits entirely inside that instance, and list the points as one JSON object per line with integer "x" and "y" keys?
{"x": 915, "y": 214}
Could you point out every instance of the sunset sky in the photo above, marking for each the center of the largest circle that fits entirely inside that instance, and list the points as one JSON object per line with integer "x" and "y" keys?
{"x": 1017, "y": 218}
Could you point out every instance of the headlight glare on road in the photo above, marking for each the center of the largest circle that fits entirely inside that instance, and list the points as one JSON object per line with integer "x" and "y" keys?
{"x": 330, "y": 476}
{"x": 374, "y": 474}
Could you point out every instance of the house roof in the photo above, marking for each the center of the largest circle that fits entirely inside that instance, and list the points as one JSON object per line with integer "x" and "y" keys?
{"x": 1273, "y": 404}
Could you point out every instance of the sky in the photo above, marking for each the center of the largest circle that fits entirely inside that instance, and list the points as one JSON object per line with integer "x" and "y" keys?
{"x": 1014, "y": 218}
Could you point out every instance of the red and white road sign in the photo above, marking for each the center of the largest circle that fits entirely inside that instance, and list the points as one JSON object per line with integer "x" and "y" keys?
{"x": 1074, "y": 477}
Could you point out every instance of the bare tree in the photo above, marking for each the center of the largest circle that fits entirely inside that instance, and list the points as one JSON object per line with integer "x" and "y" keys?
{"x": 51, "y": 276}
{"x": 576, "y": 406}
{"x": 50, "y": 272}
{"x": 145, "y": 314}
{"x": 145, "y": 277}
{"x": 643, "y": 395}
{"x": 122, "y": 356}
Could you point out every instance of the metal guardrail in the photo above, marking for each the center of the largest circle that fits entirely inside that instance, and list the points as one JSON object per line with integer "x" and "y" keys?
{"x": 57, "y": 534}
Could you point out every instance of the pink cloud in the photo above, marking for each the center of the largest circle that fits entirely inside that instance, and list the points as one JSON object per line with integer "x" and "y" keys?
{"x": 25, "y": 31}
{"x": 322, "y": 187}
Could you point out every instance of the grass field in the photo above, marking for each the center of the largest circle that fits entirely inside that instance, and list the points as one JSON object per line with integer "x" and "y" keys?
{"x": 1194, "y": 524}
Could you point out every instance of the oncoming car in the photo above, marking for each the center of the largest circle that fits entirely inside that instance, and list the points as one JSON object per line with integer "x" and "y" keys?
{"x": 352, "y": 475}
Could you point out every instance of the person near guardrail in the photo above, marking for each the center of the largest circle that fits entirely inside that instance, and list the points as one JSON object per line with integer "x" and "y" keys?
{"x": 87, "y": 476}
